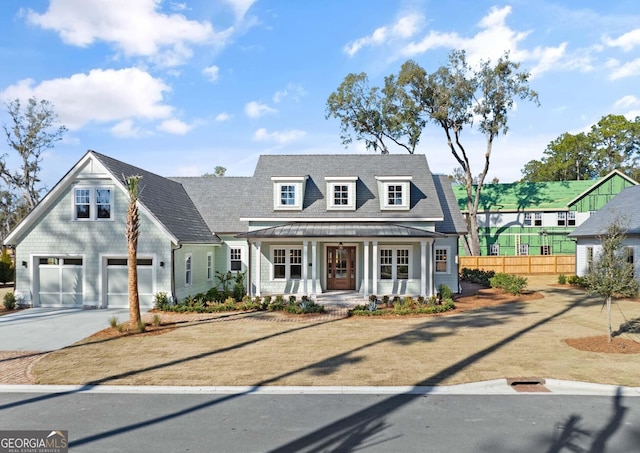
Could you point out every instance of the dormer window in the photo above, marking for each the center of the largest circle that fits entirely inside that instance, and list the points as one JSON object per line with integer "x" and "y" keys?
{"x": 394, "y": 192}
{"x": 288, "y": 192}
{"x": 341, "y": 193}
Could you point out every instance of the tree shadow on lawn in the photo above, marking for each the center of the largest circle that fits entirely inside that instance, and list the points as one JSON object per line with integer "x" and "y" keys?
{"x": 346, "y": 429}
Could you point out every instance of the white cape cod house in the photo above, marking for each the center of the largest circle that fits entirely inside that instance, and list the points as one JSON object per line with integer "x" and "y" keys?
{"x": 302, "y": 224}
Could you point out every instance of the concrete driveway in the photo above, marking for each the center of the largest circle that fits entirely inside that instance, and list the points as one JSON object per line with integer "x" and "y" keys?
{"x": 48, "y": 329}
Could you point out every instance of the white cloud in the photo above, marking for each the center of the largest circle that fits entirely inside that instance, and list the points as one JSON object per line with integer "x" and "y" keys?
{"x": 627, "y": 101}
{"x": 493, "y": 39}
{"x": 280, "y": 137}
{"x": 405, "y": 27}
{"x": 240, "y": 7}
{"x": 626, "y": 41}
{"x": 211, "y": 73}
{"x": 294, "y": 91}
{"x": 99, "y": 96}
{"x": 175, "y": 126}
{"x": 135, "y": 27}
{"x": 223, "y": 117}
{"x": 255, "y": 109}
{"x": 628, "y": 69}
{"x": 126, "y": 129}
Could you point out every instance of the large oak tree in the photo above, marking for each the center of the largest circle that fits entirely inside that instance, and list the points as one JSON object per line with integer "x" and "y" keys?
{"x": 454, "y": 97}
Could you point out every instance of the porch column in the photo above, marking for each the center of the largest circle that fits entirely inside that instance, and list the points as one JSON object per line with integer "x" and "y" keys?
{"x": 423, "y": 268}
{"x": 314, "y": 266}
{"x": 375, "y": 268}
{"x": 258, "y": 267}
{"x": 366, "y": 270}
{"x": 305, "y": 266}
{"x": 432, "y": 268}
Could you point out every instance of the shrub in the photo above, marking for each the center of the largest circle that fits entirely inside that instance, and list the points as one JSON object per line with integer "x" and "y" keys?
{"x": 9, "y": 301}
{"x": 577, "y": 281}
{"x": 445, "y": 291}
{"x": 385, "y": 300}
{"x": 477, "y": 276}
{"x": 512, "y": 284}
{"x": 373, "y": 298}
{"x": 161, "y": 301}
{"x": 562, "y": 279}
{"x": 292, "y": 299}
{"x": 141, "y": 326}
{"x": 157, "y": 320}
{"x": 113, "y": 321}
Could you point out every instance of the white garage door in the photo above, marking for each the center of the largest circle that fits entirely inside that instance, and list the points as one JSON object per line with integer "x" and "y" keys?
{"x": 117, "y": 284}
{"x": 60, "y": 281}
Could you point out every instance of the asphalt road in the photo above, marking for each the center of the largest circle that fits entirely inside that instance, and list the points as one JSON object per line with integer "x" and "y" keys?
{"x": 364, "y": 423}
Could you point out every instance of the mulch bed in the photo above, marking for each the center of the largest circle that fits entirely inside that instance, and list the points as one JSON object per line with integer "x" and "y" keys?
{"x": 600, "y": 344}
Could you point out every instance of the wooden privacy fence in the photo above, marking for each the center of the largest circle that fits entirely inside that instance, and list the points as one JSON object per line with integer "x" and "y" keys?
{"x": 530, "y": 264}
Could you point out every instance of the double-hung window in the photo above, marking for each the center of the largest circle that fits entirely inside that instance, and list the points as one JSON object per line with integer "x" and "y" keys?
{"x": 523, "y": 249}
{"x": 571, "y": 218}
{"x": 527, "y": 219}
{"x": 287, "y": 263}
{"x": 562, "y": 218}
{"x": 628, "y": 255}
{"x": 209, "y": 266}
{"x": 537, "y": 221}
{"x": 442, "y": 260}
{"x": 395, "y": 263}
{"x": 494, "y": 249}
{"x": 589, "y": 259}
{"x": 188, "y": 272}
{"x": 93, "y": 203}
{"x": 235, "y": 259}
{"x": 395, "y": 195}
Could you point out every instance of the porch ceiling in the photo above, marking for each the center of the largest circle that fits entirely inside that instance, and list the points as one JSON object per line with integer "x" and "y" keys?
{"x": 340, "y": 229}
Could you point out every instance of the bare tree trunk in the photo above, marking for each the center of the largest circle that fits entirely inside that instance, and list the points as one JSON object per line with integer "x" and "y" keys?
{"x": 609, "y": 318}
{"x": 134, "y": 299}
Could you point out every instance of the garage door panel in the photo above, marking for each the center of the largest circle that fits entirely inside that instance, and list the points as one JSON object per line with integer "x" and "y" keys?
{"x": 145, "y": 280}
{"x": 50, "y": 280}
{"x": 72, "y": 280}
{"x": 117, "y": 283}
{"x": 118, "y": 280}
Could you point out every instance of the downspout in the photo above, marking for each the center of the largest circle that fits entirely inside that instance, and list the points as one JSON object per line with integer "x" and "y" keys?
{"x": 173, "y": 272}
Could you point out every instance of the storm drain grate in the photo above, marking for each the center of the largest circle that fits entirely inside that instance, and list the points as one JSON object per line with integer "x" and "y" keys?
{"x": 527, "y": 384}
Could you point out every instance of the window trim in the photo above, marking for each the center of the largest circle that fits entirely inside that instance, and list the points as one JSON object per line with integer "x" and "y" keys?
{"x": 287, "y": 262}
{"x": 447, "y": 250}
{"x": 230, "y": 259}
{"x": 562, "y": 218}
{"x": 93, "y": 202}
{"x": 298, "y": 184}
{"x": 520, "y": 249}
{"x": 537, "y": 219}
{"x": 209, "y": 266}
{"x": 385, "y": 183}
{"x": 188, "y": 269}
{"x": 332, "y": 183}
{"x": 394, "y": 262}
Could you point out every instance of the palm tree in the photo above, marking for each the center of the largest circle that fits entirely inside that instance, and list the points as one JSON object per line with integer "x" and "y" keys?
{"x": 132, "y": 233}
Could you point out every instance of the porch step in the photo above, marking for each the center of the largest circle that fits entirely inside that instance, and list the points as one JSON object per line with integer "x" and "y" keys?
{"x": 342, "y": 298}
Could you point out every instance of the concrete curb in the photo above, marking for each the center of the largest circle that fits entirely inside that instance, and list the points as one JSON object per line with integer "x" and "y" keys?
{"x": 493, "y": 387}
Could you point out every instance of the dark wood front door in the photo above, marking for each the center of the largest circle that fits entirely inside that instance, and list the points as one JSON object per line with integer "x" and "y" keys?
{"x": 341, "y": 268}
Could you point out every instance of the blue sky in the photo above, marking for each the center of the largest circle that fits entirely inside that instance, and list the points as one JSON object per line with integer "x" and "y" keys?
{"x": 178, "y": 87}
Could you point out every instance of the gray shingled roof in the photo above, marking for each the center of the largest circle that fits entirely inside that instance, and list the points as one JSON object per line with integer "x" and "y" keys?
{"x": 220, "y": 201}
{"x": 340, "y": 229}
{"x": 166, "y": 200}
{"x": 424, "y": 197}
{"x": 453, "y": 222}
{"x": 624, "y": 207}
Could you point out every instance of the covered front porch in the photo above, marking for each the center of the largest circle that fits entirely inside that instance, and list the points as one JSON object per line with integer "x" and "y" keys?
{"x": 311, "y": 258}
